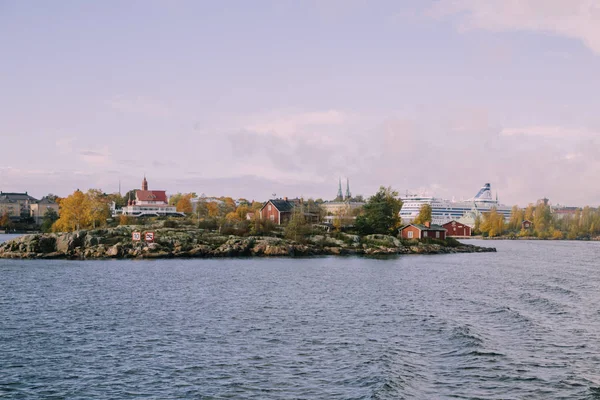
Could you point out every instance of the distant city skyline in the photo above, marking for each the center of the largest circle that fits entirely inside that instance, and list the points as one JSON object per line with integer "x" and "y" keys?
{"x": 247, "y": 99}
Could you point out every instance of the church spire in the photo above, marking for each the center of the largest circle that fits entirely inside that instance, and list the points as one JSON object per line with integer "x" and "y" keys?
{"x": 348, "y": 194}
{"x": 144, "y": 184}
{"x": 340, "y": 195}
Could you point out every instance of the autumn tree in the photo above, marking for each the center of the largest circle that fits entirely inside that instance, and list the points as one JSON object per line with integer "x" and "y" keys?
{"x": 517, "y": 216}
{"x": 424, "y": 214}
{"x": 5, "y": 220}
{"x": 184, "y": 204}
{"x": 74, "y": 213}
{"x": 97, "y": 207}
{"x": 493, "y": 223}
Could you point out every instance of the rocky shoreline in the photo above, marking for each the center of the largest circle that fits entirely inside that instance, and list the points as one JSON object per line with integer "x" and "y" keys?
{"x": 191, "y": 243}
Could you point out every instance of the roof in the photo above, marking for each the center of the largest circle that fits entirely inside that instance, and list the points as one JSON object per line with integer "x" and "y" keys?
{"x": 280, "y": 204}
{"x": 46, "y": 200}
{"x": 151, "y": 195}
{"x": 456, "y": 222}
{"x": 422, "y": 227}
{"x": 17, "y": 196}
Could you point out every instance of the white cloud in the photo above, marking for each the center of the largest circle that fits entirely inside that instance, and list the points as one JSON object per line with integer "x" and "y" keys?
{"x": 289, "y": 124}
{"x": 98, "y": 157}
{"x": 551, "y": 132}
{"x": 577, "y": 19}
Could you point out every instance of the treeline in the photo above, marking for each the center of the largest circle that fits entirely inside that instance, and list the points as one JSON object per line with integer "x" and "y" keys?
{"x": 583, "y": 224}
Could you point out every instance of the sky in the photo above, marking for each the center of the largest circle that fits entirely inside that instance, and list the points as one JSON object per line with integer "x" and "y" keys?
{"x": 260, "y": 98}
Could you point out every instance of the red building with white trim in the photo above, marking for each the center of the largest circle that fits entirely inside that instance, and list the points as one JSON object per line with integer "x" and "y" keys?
{"x": 455, "y": 228}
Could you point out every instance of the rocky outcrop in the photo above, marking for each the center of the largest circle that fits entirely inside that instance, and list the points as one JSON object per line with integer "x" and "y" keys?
{"x": 118, "y": 243}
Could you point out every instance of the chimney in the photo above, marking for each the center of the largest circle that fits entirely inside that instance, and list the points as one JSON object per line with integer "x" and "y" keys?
{"x": 428, "y": 224}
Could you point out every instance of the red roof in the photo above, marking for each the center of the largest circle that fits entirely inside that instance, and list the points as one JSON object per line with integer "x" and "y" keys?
{"x": 151, "y": 195}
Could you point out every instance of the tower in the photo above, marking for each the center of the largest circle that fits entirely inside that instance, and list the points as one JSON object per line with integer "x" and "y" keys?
{"x": 340, "y": 195}
{"x": 144, "y": 184}
{"x": 348, "y": 194}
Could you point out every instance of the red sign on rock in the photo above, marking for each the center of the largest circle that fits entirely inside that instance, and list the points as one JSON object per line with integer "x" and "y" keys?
{"x": 149, "y": 237}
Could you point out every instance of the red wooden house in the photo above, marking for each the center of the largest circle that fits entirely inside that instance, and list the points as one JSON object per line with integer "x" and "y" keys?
{"x": 427, "y": 230}
{"x": 526, "y": 225}
{"x": 279, "y": 211}
{"x": 455, "y": 228}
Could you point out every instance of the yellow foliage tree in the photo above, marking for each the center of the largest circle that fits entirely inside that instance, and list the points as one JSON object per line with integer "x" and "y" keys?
{"x": 493, "y": 223}
{"x": 424, "y": 214}
{"x": 184, "y": 204}
{"x": 74, "y": 213}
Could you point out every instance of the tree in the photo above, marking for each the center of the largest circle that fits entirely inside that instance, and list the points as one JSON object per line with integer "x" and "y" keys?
{"x": 517, "y": 216}
{"x": 493, "y": 223}
{"x": 381, "y": 213}
{"x": 74, "y": 213}
{"x": 424, "y": 214}
{"x": 174, "y": 199}
{"x": 5, "y": 220}
{"x": 297, "y": 227}
{"x": 98, "y": 207}
{"x": 50, "y": 217}
{"x": 184, "y": 204}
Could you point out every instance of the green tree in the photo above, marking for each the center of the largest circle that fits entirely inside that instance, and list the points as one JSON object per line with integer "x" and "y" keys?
{"x": 297, "y": 227}
{"x": 381, "y": 213}
{"x": 424, "y": 214}
{"x": 49, "y": 218}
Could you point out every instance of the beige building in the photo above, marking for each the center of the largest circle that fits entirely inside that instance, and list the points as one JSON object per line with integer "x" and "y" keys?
{"x": 40, "y": 208}
{"x": 10, "y": 207}
{"x": 23, "y": 200}
{"x": 341, "y": 207}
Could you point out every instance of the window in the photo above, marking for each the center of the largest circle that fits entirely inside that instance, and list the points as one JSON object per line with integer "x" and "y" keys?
{"x": 437, "y": 234}
{"x": 269, "y": 208}
{"x": 272, "y": 217}
{"x": 425, "y": 234}
{"x": 410, "y": 234}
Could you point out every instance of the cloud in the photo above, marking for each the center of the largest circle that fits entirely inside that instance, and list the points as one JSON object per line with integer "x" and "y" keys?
{"x": 551, "y": 132}
{"x": 576, "y": 19}
{"x": 290, "y": 124}
{"x": 140, "y": 105}
{"x": 96, "y": 158}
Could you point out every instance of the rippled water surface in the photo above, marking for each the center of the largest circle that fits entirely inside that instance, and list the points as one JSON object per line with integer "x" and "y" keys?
{"x": 523, "y": 323}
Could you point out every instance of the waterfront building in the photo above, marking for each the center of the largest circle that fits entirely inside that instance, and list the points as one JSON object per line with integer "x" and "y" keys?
{"x": 41, "y": 207}
{"x": 526, "y": 225}
{"x": 23, "y": 202}
{"x": 148, "y": 203}
{"x": 342, "y": 205}
{"x": 422, "y": 231}
{"x": 278, "y": 211}
{"x": 455, "y": 228}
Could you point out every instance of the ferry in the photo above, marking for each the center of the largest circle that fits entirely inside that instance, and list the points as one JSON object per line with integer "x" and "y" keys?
{"x": 443, "y": 210}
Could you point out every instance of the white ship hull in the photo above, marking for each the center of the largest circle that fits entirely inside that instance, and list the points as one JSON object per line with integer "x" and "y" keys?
{"x": 443, "y": 211}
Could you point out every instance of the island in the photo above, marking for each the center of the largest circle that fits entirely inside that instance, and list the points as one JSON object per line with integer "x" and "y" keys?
{"x": 130, "y": 242}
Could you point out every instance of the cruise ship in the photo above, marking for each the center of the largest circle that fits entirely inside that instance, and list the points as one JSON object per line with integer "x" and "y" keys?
{"x": 443, "y": 211}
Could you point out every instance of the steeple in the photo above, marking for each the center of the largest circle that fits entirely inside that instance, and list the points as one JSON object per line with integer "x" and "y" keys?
{"x": 348, "y": 194}
{"x": 144, "y": 184}
{"x": 340, "y": 194}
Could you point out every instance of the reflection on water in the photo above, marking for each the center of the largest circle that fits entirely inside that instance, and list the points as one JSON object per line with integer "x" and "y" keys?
{"x": 520, "y": 323}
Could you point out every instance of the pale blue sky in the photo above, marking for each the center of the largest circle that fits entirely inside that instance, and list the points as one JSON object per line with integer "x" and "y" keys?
{"x": 251, "y": 98}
